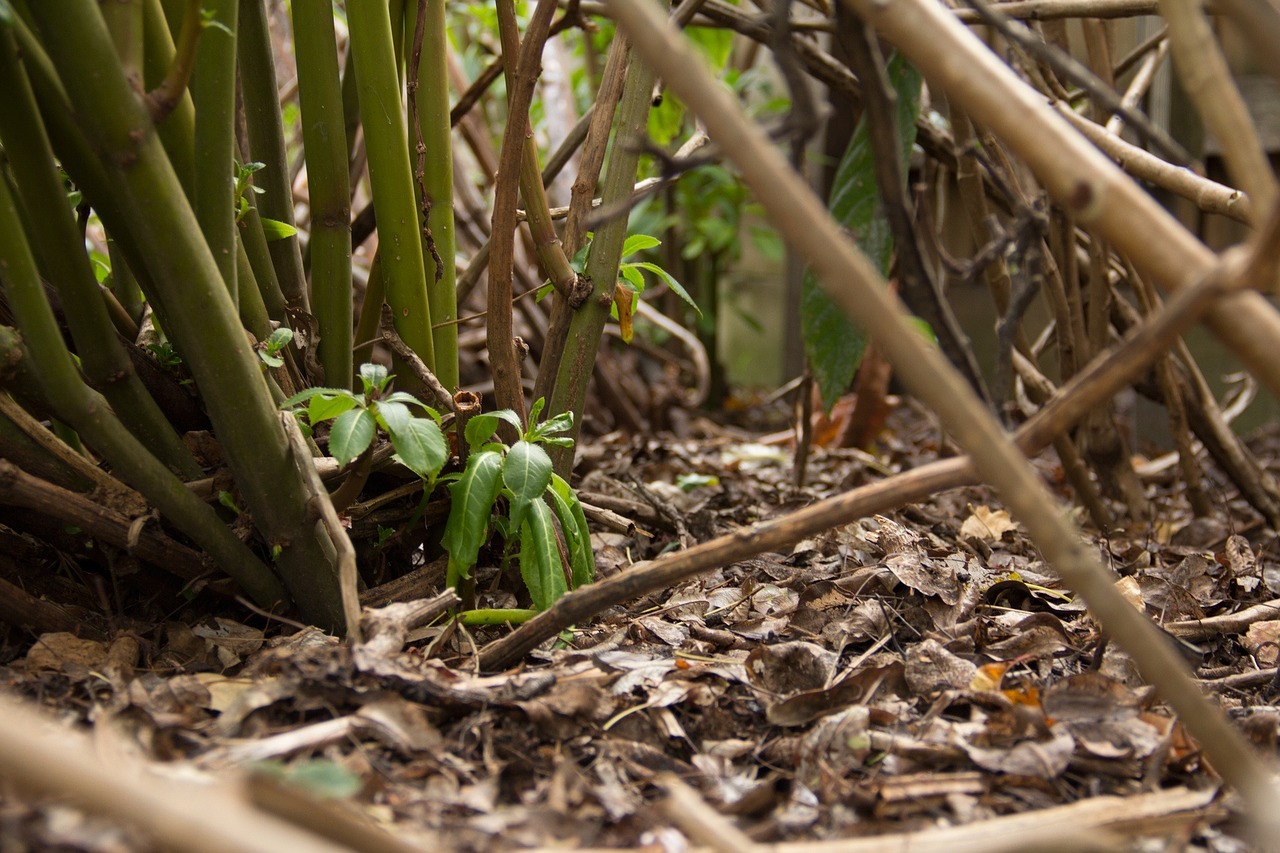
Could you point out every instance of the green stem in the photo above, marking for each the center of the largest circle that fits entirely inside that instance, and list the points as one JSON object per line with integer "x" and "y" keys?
{"x": 375, "y": 294}
{"x": 61, "y": 248}
{"x": 585, "y": 329}
{"x": 496, "y": 616}
{"x": 320, "y": 95}
{"x": 86, "y": 410}
{"x": 266, "y": 145}
{"x": 214, "y": 91}
{"x": 124, "y": 22}
{"x": 429, "y": 104}
{"x": 200, "y": 317}
{"x": 404, "y": 273}
{"x": 258, "y": 250}
{"x": 253, "y": 311}
{"x": 177, "y": 130}
{"x": 162, "y": 99}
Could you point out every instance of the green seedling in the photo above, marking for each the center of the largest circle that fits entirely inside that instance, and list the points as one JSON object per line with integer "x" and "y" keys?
{"x": 536, "y": 501}
{"x": 269, "y": 350}
{"x": 357, "y": 417}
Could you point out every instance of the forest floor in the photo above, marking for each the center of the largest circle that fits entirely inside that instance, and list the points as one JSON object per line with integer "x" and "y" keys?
{"x": 919, "y": 673}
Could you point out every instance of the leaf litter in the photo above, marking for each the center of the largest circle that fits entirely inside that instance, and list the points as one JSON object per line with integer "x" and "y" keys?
{"x": 919, "y": 674}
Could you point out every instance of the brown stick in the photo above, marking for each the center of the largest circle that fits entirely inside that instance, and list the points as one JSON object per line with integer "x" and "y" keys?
{"x": 503, "y": 358}
{"x": 23, "y": 610}
{"x": 18, "y": 488}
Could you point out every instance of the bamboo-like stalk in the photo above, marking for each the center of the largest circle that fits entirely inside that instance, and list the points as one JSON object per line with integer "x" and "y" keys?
{"x": 851, "y": 281}
{"x": 214, "y": 91}
{"x": 400, "y": 246}
{"x": 124, "y": 22}
{"x": 263, "y": 266}
{"x": 1208, "y": 82}
{"x": 87, "y": 411}
{"x": 177, "y": 129}
{"x": 325, "y": 143}
{"x": 266, "y": 145}
{"x": 587, "y": 325}
{"x": 199, "y": 315}
{"x": 57, "y": 240}
{"x": 433, "y": 171}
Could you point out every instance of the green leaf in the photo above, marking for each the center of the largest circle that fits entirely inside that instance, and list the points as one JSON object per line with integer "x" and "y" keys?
{"x": 319, "y": 777}
{"x": 689, "y": 482}
{"x": 577, "y": 537}
{"x": 482, "y": 426}
{"x": 394, "y": 415}
{"x": 471, "y": 499}
{"x": 315, "y": 392}
{"x": 409, "y": 400}
{"x": 536, "y": 409}
{"x": 540, "y": 564}
{"x": 271, "y": 360}
{"x": 676, "y": 287}
{"x": 421, "y": 447}
{"x": 526, "y": 473}
{"x": 562, "y": 422}
{"x": 666, "y": 120}
{"x": 768, "y": 243}
{"x": 632, "y": 275}
{"x": 274, "y": 229}
{"x": 351, "y": 435}
{"x": 833, "y": 344}
{"x": 638, "y": 243}
{"x": 279, "y": 339}
{"x": 373, "y": 376}
{"x": 715, "y": 43}
{"x": 325, "y": 408}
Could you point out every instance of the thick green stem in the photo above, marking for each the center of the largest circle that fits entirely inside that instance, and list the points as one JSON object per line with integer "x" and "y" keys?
{"x": 61, "y": 249}
{"x": 199, "y": 314}
{"x": 266, "y": 145}
{"x": 214, "y": 91}
{"x": 375, "y": 295}
{"x": 178, "y": 128}
{"x": 587, "y": 325}
{"x": 390, "y": 174}
{"x": 88, "y": 412}
{"x": 264, "y": 269}
{"x": 320, "y": 94}
{"x": 124, "y": 22}
{"x": 433, "y": 172}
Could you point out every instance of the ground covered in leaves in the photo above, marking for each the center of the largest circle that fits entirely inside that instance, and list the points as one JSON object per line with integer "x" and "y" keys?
{"x": 921, "y": 671}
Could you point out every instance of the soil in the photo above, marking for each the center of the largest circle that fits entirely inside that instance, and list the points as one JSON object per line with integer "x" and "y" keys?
{"x": 919, "y": 672}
